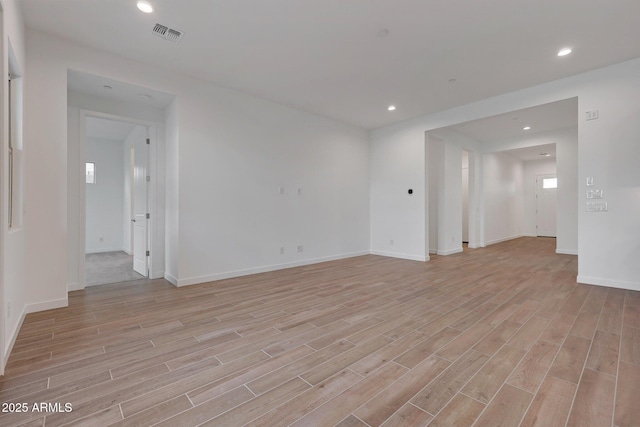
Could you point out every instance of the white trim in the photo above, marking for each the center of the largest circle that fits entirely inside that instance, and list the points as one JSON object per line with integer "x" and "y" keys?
{"x": 14, "y": 336}
{"x": 433, "y": 252}
{"x": 402, "y": 256}
{"x": 101, "y": 250}
{"x": 47, "y": 305}
{"x": 470, "y": 246}
{"x": 567, "y": 251}
{"x": 171, "y": 279}
{"x": 611, "y": 283}
{"x": 450, "y": 252}
{"x": 152, "y": 189}
{"x": 264, "y": 269}
{"x": 493, "y": 242}
{"x": 74, "y": 287}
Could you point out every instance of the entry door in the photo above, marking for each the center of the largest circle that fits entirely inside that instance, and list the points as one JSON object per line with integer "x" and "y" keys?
{"x": 140, "y": 221}
{"x": 546, "y": 203}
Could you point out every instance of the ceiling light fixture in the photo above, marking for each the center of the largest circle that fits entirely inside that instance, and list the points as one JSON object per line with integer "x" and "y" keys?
{"x": 526, "y": 128}
{"x": 145, "y": 6}
{"x": 545, "y": 154}
{"x": 391, "y": 108}
{"x": 564, "y": 51}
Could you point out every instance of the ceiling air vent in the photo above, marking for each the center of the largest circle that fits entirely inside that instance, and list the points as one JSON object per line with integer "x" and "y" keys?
{"x": 167, "y": 33}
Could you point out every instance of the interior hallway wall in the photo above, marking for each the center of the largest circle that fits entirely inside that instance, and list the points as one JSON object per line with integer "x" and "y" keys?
{"x": 503, "y": 197}
{"x": 105, "y": 198}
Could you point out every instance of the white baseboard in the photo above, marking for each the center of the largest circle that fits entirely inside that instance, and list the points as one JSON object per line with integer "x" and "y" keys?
{"x": 47, "y": 305}
{"x": 493, "y": 242}
{"x": 12, "y": 340}
{"x": 74, "y": 287}
{"x": 433, "y": 251}
{"x": 474, "y": 246}
{"x": 611, "y": 283}
{"x": 264, "y": 269}
{"x": 450, "y": 252}
{"x": 402, "y": 256}
{"x": 156, "y": 275}
{"x": 567, "y": 251}
{"x": 100, "y": 250}
{"x": 171, "y": 279}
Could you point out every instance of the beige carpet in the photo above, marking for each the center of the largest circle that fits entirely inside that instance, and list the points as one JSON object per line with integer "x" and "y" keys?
{"x": 109, "y": 267}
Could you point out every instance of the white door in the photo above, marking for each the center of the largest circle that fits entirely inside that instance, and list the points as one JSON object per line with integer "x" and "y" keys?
{"x": 546, "y": 203}
{"x": 140, "y": 221}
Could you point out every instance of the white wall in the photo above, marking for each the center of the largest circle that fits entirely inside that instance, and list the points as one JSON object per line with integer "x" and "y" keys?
{"x": 105, "y": 198}
{"x": 234, "y": 152}
{"x": 395, "y": 215}
{"x": 465, "y": 196}
{"x": 172, "y": 223}
{"x": 533, "y": 168}
{"x": 566, "y": 141}
{"x": 608, "y": 151}
{"x": 503, "y": 197}
{"x": 13, "y": 250}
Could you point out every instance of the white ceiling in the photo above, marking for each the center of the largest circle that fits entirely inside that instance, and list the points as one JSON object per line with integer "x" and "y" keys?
{"x": 324, "y": 56}
{"x": 528, "y": 154}
{"x": 541, "y": 118}
{"x": 108, "y": 129}
{"x": 113, "y": 89}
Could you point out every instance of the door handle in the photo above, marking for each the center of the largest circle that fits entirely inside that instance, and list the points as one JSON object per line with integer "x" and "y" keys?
{"x": 133, "y": 220}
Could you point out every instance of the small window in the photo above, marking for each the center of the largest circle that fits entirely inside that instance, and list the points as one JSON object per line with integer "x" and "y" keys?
{"x": 91, "y": 173}
{"x": 548, "y": 183}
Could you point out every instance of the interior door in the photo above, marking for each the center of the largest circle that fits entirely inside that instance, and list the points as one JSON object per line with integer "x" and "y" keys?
{"x": 546, "y": 205}
{"x": 140, "y": 199}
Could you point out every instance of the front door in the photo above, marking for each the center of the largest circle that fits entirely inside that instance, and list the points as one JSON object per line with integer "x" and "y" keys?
{"x": 546, "y": 203}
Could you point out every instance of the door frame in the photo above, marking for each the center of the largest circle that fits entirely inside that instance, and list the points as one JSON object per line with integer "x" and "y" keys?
{"x": 539, "y": 178}
{"x": 153, "y": 204}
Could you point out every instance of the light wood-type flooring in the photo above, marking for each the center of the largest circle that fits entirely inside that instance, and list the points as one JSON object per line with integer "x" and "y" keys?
{"x": 499, "y": 336}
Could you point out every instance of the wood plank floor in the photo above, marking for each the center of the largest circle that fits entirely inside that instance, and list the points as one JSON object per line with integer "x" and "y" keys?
{"x": 499, "y": 336}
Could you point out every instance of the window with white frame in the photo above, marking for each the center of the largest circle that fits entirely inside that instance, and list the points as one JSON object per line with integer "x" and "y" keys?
{"x": 90, "y": 173}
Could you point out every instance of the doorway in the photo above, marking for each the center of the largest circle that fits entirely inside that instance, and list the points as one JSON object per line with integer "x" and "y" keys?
{"x": 546, "y": 205}
{"x": 116, "y": 201}
{"x": 465, "y": 197}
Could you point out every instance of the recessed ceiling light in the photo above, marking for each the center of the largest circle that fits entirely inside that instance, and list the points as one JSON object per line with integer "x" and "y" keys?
{"x": 564, "y": 51}
{"x": 144, "y": 96}
{"x": 545, "y": 154}
{"x": 391, "y": 108}
{"x": 145, "y": 6}
{"x": 526, "y": 128}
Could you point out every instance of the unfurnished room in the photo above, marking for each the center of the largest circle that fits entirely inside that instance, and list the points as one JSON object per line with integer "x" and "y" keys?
{"x": 320, "y": 213}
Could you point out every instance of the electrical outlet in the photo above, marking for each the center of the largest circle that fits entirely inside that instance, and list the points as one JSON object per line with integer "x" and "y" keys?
{"x": 299, "y": 191}
{"x": 281, "y": 190}
{"x": 592, "y": 115}
{"x": 8, "y": 309}
{"x": 101, "y": 239}
{"x": 391, "y": 242}
{"x": 300, "y": 248}
{"x": 282, "y": 250}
